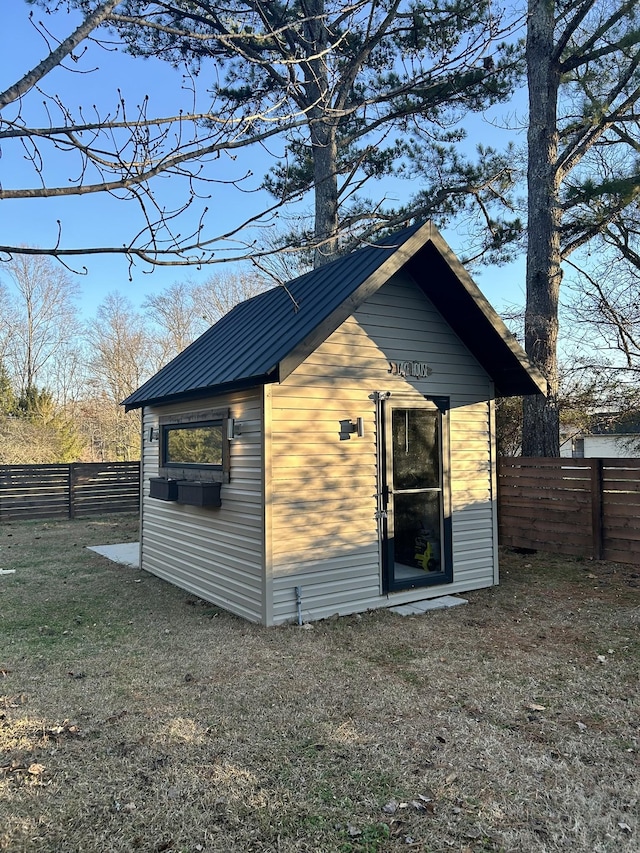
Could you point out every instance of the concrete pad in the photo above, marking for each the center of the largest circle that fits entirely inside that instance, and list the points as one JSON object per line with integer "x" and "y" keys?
{"x": 127, "y": 553}
{"x": 416, "y": 608}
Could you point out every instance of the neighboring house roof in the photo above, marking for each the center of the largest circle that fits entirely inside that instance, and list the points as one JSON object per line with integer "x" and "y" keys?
{"x": 265, "y": 338}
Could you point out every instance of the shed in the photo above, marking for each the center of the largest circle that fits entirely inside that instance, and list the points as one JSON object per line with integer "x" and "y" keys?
{"x": 608, "y": 435}
{"x": 328, "y": 447}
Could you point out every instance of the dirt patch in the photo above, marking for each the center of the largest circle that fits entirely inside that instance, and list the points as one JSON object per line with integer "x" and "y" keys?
{"x": 135, "y": 717}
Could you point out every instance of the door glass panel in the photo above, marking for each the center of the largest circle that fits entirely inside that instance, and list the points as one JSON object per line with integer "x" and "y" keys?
{"x": 416, "y": 449}
{"x": 417, "y": 539}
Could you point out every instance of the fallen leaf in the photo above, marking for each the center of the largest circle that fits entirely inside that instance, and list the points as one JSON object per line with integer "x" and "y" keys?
{"x": 533, "y": 706}
{"x": 451, "y": 778}
{"x": 36, "y": 769}
{"x": 581, "y": 726}
{"x": 602, "y": 658}
{"x": 624, "y": 826}
{"x": 353, "y": 831}
{"x": 390, "y": 808}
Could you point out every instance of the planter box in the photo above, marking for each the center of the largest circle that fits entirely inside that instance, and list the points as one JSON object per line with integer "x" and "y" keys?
{"x": 199, "y": 493}
{"x": 163, "y": 489}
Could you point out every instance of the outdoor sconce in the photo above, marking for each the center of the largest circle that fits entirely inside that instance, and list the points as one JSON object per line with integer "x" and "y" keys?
{"x": 234, "y": 429}
{"x": 154, "y": 433}
{"x": 348, "y": 428}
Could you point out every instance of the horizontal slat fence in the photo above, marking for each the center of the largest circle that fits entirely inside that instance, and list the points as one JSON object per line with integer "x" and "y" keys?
{"x": 68, "y": 491}
{"x": 621, "y": 510}
{"x": 580, "y": 507}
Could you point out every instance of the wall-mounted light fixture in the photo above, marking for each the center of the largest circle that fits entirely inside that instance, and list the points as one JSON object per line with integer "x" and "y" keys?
{"x": 154, "y": 433}
{"x": 234, "y": 429}
{"x": 349, "y": 428}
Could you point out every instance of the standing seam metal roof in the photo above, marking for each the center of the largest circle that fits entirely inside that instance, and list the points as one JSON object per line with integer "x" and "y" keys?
{"x": 247, "y": 346}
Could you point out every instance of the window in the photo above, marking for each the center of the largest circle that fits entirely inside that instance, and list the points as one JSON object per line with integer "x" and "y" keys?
{"x": 577, "y": 450}
{"x": 194, "y": 445}
{"x": 197, "y": 444}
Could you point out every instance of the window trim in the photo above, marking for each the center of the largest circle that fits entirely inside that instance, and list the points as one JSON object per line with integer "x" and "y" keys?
{"x": 193, "y": 470}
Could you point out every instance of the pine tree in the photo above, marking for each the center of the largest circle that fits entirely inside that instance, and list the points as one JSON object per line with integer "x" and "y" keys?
{"x": 583, "y": 62}
{"x": 357, "y": 88}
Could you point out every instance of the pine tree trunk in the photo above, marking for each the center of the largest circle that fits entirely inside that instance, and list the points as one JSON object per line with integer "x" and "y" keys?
{"x": 323, "y": 135}
{"x": 326, "y": 193}
{"x": 541, "y": 423}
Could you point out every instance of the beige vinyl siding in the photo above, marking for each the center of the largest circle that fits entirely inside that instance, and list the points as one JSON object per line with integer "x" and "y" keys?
{"x": 474, "y": 546}
{"x": 217, "y": 554}
{"x": 325, "y": 535}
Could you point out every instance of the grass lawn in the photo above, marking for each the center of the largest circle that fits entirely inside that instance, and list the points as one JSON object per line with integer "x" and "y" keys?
{"x": 136, "y": 717}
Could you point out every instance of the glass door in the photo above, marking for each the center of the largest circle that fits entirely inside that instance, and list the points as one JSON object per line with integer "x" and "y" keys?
{"x": 416, "y": 530}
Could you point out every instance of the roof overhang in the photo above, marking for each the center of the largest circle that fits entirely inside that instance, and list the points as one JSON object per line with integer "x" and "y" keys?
{"x": 475, "y": 321}
{"x": 271, "y": 346}
{"x": 205, "y": 392}
{"x": 444, "y": 280}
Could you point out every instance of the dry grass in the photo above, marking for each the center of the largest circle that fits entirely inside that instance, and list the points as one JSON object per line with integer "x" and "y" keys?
{"x": 133, "y": 717}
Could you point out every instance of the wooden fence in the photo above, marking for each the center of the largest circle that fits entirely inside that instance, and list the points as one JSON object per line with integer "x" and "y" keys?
{"x": 68, "y": 491}
{"x": 581, "y": 507}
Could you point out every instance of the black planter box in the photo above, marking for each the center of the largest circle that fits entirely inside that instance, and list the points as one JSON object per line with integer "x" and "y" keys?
{"x": 163, "y": 489}
{"x": 199, "y": 493}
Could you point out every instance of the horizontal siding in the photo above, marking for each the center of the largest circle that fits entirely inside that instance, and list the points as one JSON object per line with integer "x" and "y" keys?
{"x": 619, "y": 447}
{"x": 150, "y": 461}
{"x": 473, "y": 502}
{"x": 216, "y": 554}
{"x": 325, "y": 535}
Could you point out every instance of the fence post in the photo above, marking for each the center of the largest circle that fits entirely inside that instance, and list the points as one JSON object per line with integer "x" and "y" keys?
{"x": 72, "y": 489}
{"x": 596, "y": 508}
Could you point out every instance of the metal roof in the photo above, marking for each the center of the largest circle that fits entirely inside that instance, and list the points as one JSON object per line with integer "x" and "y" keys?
{"x": 263, "y": 339}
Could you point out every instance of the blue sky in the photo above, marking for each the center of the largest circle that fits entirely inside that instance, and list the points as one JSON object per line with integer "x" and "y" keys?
{"x": 96, "y": 219}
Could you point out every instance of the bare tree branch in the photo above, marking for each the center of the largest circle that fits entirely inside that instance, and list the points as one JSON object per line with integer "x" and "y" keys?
{"x": 29, "y": 80}
{"x": 338, "y": 78}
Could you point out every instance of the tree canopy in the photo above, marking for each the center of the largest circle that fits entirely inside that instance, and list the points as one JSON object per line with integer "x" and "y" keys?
{"x": 349, "y": 92}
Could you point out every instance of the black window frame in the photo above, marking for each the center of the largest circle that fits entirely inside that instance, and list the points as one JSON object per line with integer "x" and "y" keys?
{"x": 196, "y": 471}
{"x": 169, "y": 427}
